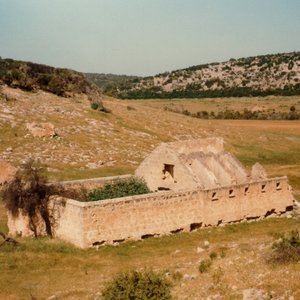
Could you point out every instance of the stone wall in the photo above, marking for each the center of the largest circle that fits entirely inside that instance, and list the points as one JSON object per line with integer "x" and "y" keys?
{"x": 88, "y": 184}
{"x": 112, "y": 221}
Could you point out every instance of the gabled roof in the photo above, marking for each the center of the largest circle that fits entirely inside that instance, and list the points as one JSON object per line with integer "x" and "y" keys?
{"x": 201, "y": 163}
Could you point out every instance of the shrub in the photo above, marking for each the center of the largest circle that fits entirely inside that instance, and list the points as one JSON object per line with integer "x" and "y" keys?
{"x": 130, "y": 107}
{"x": 177, "y": 276}
{"x": 286, "y": 249}
{"x": 121, "y": 188}
{"x": 291, "y": 65}
{"x": 94, "y": 105}
{"x": 29, "y": 192}
{"x": 217, "y": 276}
{"x": 213, "y": 255}
{"x": 204, "y": 265}
{"x": 138, "y": 285}
{"x": 223, "y": 252}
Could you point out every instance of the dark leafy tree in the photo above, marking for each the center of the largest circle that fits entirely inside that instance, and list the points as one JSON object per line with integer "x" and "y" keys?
{"x": 29, "y": 192}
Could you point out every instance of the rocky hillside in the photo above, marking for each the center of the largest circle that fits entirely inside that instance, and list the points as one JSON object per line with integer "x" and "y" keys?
{"x": 277, "y": 74}
{"x": 32, "y": 77}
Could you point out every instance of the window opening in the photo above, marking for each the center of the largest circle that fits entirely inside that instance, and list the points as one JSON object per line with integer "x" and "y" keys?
{"x": 278, "y": 186}
{"x": 231, "y": 194}
{"x": 168, "y": 171}
{"x": 214, "y": 196}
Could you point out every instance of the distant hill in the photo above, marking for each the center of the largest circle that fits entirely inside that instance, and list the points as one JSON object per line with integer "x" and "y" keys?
{"x": 31, "y": 76}
{"x": 110, "y": 84}
{"x": 276, "y": 74}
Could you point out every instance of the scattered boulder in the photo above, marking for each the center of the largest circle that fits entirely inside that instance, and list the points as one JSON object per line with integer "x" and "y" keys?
{"x": 258, "y": 172}
{"x": 188, "y": 277}
{"x": 41, "y": 129}
{"x": 206, "y": 244}
{"x": 296, "y": 206}
{"x": 200, "y": 249}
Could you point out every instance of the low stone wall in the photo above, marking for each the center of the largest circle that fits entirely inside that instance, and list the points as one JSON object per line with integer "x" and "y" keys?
{"x": 112, "y": 221}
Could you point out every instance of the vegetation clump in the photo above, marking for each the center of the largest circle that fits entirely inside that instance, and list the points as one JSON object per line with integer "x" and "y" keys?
{"x": 31, "y": 76}
{"x": 28, "y": 191}
{"x": 246, "y": 114}
{"x": 138, "y": 285}
{"x": 121, "y": 188}
{"x": 213, "y": 255}
{"x": 94, "y": 105}
{"x": 205, "y": 265}
{"x": 286, "y": 249}
{"x": 217, "y": 276}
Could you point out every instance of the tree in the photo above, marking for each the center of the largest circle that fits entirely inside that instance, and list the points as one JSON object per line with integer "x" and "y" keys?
{"x": 29, "y": 192}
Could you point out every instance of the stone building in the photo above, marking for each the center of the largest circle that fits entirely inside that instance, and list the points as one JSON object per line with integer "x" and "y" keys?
{"x": 194, "y": 164}
{"x": 195, "y": 184}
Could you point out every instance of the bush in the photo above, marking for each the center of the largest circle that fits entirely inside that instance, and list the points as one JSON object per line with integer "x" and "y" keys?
{"x": 213, "y": 255}
{"x": 94, "y": 105}
{"x": 217, "y": 276}
{"x": 286, "y": 249}
{"x": 223, "y": 252}
{"x": 138, "y": 285}
{"x": 204, "y": 266}
{"x": 121, "y": 188}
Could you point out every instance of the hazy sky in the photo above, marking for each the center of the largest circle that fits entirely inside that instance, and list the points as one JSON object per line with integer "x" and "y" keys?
{"x": 145, "y": 37}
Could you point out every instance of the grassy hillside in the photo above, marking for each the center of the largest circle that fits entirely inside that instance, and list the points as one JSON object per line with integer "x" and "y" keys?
{"x": 276, "y": 74}
{"x": 91, "y": 143}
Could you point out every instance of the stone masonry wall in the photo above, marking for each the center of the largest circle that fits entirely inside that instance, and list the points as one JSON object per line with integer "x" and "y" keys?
{"x": 89, "y": 183}
{"x": 112, "y": 221}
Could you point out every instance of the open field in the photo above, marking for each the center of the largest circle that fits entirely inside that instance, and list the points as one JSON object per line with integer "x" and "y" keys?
{"x": 43, "y": 268}
{"x": 91, "y": 144}
{"x": 269, "y": 103}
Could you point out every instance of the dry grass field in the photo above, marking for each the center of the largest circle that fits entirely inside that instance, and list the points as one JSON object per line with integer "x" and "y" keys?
{"x": 278, "y": 103}
{"x": 45, "y": 268}
{"x": 91, "y": 143}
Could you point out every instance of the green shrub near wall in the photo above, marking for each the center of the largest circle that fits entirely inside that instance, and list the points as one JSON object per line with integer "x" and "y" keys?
{"x": 121, "y": 188}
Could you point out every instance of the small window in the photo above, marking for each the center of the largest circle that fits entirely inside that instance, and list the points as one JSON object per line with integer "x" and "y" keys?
{"x": 231, "y": 194}
{"x": 246, "y": 190}
{"x": 263, "y": 188}
{"x": 214, "y": 196}
{"x": 168, "y": 170}
{"x": 278, "y": 186}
